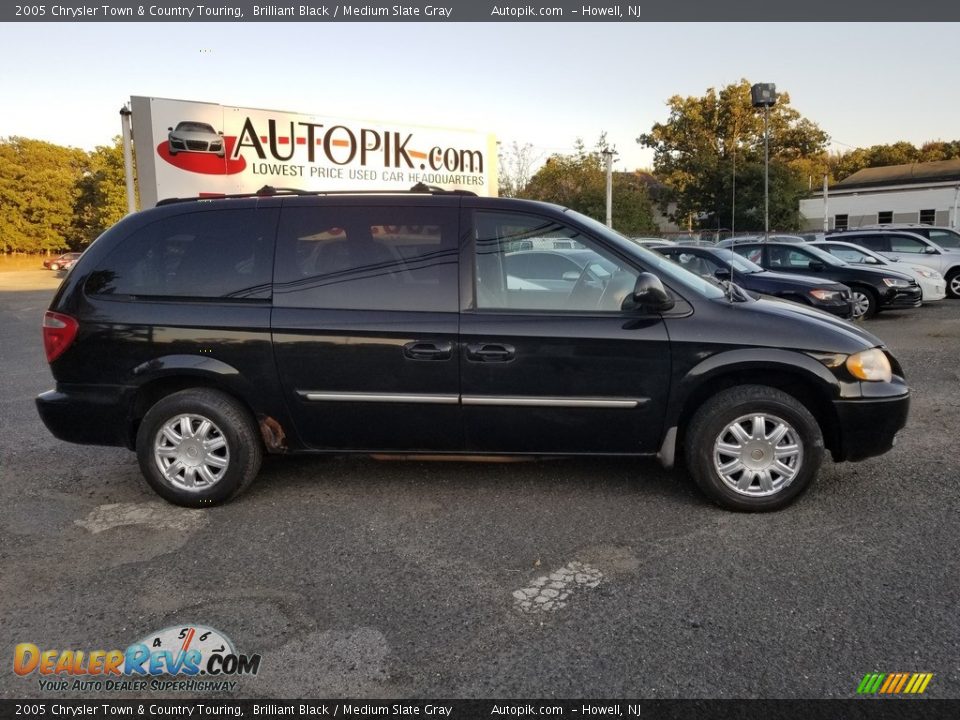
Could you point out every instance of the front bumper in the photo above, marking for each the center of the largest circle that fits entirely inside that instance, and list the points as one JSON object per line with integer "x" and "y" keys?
{"x": 868, "y": 426}
{"x": 842, "y": 310}
{"x": 933, "y": 290}
{"x": 902, "y": 298}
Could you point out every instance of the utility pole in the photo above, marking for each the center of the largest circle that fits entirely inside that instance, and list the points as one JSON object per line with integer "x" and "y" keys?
{"x": 826, "y": 213}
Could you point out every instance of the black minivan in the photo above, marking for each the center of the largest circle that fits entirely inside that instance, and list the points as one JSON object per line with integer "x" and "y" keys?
{"x": 203, "y": 333}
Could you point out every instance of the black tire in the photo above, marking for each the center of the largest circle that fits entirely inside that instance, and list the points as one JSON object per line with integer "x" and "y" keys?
{"x": 870, "y": 297}
{"x": 953, "y": 284}
{"x": 231, "y": 439}
{"x": 710, "y": 427}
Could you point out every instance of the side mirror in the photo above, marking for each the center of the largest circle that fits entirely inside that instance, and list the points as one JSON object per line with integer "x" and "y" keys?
{"x": 723, "y": 273}
{"x": 649, "y": 293}
{"x": 816, "y": 265}
{"x": 220, "y": 132}
{"x": 571, "y": 275}
{"x": 170, "y": 129}
{"x": 927, "y": 250}
{"x": 871, "y": 260}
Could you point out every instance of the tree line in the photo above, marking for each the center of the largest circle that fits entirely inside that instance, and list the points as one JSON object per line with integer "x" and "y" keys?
{"x": 55, "y": 198}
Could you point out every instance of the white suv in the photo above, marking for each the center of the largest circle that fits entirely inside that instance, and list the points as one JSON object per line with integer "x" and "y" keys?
{"x": 908, "y": 246}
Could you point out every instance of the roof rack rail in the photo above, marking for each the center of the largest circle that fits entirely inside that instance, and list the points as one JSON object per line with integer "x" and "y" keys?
{"x": 271, "y": 191}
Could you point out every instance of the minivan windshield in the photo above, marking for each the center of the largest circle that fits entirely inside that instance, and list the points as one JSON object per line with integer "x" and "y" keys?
{"x": 657, "y": 263}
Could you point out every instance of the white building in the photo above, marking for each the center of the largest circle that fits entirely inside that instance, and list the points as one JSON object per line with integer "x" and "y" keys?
{"x": 916, "y": 193}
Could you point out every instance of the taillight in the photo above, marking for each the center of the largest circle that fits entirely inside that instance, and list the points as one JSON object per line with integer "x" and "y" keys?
{"x": 58, "y": 333}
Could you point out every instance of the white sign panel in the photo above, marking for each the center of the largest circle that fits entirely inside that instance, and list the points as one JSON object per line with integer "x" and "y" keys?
{"x": 190, "y": 149}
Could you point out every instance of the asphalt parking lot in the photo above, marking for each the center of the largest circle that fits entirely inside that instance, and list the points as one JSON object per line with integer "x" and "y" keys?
{"x": 359, "y": 578}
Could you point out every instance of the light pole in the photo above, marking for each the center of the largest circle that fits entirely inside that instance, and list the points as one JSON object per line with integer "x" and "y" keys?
{"x": 608, "y": 156}
{"x": 765, "y": 95}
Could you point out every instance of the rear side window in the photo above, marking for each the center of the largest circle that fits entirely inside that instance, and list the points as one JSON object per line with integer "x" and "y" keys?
{"x": 368, "y": 258}
{"x": 877, "y": 243}
{"x": 213, "y": 254}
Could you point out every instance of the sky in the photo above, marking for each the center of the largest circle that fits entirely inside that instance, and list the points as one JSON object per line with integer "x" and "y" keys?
{"x": 546, "y": 84}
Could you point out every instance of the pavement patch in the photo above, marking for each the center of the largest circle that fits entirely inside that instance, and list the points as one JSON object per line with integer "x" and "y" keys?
{"x": 549, "y": 593}
{"x": 158, "y": 515}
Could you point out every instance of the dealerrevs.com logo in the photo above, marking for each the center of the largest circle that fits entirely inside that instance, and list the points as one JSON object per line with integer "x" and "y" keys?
{"x": 180, "y": 658}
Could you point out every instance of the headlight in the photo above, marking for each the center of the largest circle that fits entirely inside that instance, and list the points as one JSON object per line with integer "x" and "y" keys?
{"x": 927, "y": 273}
{"x": 896, "y": 282}
{"x": 871, "y": 365}
{"x": 825, "y": 295}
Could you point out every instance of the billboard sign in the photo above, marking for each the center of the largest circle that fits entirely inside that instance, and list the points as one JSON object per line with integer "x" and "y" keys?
{"x": 190, "y": 149}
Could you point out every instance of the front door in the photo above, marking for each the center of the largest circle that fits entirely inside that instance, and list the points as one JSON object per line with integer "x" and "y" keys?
{"x": 550, "y": 360}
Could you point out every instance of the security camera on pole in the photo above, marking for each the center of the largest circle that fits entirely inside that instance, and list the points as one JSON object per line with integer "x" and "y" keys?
{"x": 765, "y": 95}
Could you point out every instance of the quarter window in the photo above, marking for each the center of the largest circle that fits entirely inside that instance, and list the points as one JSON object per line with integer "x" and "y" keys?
{"x": 369, "y": 258}
{"x": 527, "y": 262}
{"x": 207, "y": 254}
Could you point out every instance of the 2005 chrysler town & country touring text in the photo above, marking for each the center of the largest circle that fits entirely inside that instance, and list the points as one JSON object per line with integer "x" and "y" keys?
{"x": 204, "y": 333}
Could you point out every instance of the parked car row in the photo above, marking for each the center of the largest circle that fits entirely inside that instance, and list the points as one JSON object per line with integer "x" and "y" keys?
{"x": 904, "y": 262}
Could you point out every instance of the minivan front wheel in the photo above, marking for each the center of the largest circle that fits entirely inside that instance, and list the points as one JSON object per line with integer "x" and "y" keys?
{"x": 198, "y": 447}
{"x": 753, "y": 448}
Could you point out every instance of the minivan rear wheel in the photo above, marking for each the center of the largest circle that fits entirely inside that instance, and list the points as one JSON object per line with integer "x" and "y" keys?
{"x": 198, "y": 447}
{"x": 753, "y": 448}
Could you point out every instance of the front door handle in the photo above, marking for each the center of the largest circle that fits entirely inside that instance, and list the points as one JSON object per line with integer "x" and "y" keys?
{"x": 491, "y": 352}
{"x": 417, "y": 350}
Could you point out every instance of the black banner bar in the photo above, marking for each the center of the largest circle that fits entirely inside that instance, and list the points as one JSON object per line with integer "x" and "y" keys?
{"x": 321, "y": 11}
{"x": 865, "y": 709}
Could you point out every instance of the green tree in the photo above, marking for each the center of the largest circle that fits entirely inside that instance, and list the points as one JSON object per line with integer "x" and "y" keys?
{"x": 101, "y": 198}
{"x": 578, "y": 181}
{"x": 710, "y": 144}
{"x": 37, "y": 192}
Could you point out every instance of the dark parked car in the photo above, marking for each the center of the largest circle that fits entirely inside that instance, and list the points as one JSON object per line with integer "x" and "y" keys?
{"x": 204, "y": 334}
{"x": 61, "y": 262}
{"x": 872, "y": 290}
{"x": 818, "y": 292}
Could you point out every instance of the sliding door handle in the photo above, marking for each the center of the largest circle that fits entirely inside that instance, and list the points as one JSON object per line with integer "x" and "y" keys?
{"x": 491, "y": 352}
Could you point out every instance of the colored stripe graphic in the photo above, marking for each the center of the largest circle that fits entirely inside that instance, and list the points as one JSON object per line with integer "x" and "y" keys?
{"x": 894, "y": 683}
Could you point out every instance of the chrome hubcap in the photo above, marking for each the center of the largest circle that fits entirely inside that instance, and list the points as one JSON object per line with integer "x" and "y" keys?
{"x": 758, "y": 455}
{"x": 955, "y": 284}
{"x": 191, "y": 452}
{"x": 861, "y": 303}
